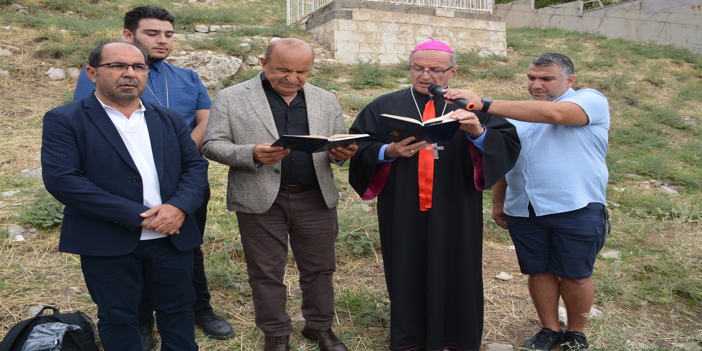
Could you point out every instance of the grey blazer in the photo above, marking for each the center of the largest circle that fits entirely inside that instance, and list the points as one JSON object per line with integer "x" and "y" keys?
{"x": 241, "y": 118}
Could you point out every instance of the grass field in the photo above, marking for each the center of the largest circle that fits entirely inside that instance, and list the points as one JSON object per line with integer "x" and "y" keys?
{"x": 650, "y": 297}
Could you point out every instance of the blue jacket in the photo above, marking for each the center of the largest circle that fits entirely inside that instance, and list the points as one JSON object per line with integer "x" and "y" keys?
{"x": 87, "y": 167}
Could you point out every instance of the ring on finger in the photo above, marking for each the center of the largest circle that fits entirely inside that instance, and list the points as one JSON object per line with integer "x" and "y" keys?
{"x": 411, "y": 152}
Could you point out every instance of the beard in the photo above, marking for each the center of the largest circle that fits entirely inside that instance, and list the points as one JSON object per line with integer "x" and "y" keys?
{"x": 125, "y": 93}
{"x": 149, "y": 56}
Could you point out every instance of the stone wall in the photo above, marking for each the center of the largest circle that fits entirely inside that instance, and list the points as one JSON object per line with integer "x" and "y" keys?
{"x": 675, "y": 22}
{"x": 357, "y": 30}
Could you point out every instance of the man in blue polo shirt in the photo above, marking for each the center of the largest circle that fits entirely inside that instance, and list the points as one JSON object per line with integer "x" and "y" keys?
{"x": 151, "y": 28}
{"x": 553, "y": 200}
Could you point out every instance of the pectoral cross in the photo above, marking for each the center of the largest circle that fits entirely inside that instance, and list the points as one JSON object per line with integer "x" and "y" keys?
{"x": 436, "y": 149}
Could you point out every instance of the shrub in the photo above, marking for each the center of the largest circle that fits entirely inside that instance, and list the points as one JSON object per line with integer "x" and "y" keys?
{"x": 44, "y": 211}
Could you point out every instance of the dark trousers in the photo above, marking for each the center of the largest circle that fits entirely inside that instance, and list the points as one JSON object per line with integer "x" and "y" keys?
{"x": 116, "y": 284}
{"x": 202, "y": 294}
{"x": 304, "y": 220}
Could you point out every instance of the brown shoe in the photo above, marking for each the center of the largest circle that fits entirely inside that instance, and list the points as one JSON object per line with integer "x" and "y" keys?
{"x": 325, "y": 339}
{"x": 277, "y": 343}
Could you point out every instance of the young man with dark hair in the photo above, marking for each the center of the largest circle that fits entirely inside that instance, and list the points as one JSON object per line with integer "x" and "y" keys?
{"x": 151, "y": 28}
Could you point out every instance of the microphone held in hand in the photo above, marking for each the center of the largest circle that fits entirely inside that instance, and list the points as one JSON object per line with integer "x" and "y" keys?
{"x": 437, "y": 90}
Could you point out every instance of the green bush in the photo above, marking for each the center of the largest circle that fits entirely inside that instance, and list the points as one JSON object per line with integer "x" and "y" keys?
{"x": 370, "y": 74}
{"x": 43, "y": 212}
{"x": 326, "y": 76}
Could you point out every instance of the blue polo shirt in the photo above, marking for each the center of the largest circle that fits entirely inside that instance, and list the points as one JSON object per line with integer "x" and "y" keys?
{"x": 178, "y": 88}
{"x": 561, "y": 168}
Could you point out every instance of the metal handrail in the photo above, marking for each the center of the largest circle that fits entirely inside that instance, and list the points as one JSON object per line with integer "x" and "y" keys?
{"x": 299, "y": 9}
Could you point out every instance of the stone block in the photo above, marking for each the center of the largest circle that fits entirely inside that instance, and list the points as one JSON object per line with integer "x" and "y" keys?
{"x": 361, "y": 15}
{"x": 381, "y": 32}
{"x": 343, "y": 36}
{"x": 442, "y": 22}
{"x": 476, "y": 24}
{"x": 461, "y": 23}
{"x": 402, "y": 17}
{"x": 341, "y": 46}
{"x": 368, "y": 26}
{"x": 425, "y": 31}
{"x": 383, "y": 16}
{"x": 390, "y": 38}
{"x": 418, "y": 19}
{"x": 443, "y": 34}
{"x": 391, "y": 58}
{"x": 495, "y": 26}
{"x": 439, "y": 12}
{"x": 345, "y": 25}
{"x": 389, "y": 27}
{"x": 401, "y": 49}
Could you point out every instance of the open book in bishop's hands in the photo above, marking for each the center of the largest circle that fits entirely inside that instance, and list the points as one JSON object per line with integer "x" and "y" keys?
{"x": 393, "y": 128}
{"x": 317, "y": 143}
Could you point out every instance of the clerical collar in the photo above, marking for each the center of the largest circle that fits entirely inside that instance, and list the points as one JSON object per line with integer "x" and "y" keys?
{"x": 431, "y": 97}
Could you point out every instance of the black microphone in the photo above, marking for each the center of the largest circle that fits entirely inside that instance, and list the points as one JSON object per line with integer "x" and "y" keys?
{"x": 437, "y": 90}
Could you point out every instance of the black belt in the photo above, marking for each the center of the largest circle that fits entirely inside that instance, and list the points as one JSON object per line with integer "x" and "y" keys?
{"x": 294, "y": 189}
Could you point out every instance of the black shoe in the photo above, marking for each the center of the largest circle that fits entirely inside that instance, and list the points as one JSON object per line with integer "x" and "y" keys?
{"x": 214, "y": 326}
{"x": 574, "y": 341}
{"x": 147, "y": 336}
{"x": 544, "y": 340}
{"x": 325, "y": 339}
{"x": 277, "y": 343}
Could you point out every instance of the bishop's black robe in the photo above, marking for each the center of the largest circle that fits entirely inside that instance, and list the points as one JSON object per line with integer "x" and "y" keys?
{"x": 433, "y": 259}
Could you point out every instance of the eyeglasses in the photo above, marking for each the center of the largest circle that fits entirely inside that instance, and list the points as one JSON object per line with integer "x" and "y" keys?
{"x": 121, "y": 66}
{"x": 430, "y": 71}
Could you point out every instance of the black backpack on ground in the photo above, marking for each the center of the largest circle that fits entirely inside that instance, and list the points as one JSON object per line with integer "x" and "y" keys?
{"x": 74, "y": 339}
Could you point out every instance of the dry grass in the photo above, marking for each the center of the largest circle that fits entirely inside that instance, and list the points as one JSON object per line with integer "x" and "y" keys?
{"x": 33, "y": 272}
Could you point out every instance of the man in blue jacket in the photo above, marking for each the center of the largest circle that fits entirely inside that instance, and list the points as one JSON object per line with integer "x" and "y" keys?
{"x": 181, "y": 89}
{"x": 131, "y": 179}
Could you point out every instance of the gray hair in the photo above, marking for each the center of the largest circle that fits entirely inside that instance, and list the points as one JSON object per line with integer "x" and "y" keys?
{"x": 452, "y": 58}
{"x": 551, "y": 59}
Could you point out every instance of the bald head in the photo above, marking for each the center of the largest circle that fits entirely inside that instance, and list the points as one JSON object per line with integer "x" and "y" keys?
{"x": 287, "y": 64}
{"x": 286, "y": 44}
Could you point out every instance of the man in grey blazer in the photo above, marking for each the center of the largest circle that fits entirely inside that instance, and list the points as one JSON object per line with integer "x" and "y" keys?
{"x": 279, "y": 195}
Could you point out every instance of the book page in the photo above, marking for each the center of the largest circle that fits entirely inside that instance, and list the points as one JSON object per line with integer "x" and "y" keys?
{"x": 412, "y": 120}
{"x": 441, "y": 119}
{"x": 306, "y": 136}
{"x": 347, "y": 136}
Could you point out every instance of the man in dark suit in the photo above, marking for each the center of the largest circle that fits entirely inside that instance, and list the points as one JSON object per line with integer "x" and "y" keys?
{"x": 151, "y": 28}
{"x": 131, "y": 178}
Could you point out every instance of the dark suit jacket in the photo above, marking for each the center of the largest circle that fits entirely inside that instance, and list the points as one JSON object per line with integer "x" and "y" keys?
{"x": 87, "y": 167}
